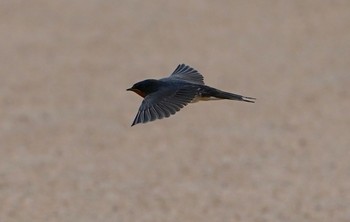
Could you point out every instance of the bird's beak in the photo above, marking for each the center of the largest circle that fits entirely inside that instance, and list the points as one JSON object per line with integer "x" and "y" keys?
{"x": 130, "y": 89}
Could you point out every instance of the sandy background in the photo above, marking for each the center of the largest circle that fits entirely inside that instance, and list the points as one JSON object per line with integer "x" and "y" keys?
{"x": 68, "y": 153}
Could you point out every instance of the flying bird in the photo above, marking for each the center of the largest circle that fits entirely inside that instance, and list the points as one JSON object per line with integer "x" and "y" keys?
{"x": 166, "y": 96}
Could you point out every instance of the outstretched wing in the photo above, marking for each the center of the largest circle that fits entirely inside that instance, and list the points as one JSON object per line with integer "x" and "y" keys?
{"x": 164, "y": 103}
{"x": 187, "y": 73}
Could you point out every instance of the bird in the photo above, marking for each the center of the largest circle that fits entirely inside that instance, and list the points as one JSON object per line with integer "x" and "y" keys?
{"x": 166, "y": 96}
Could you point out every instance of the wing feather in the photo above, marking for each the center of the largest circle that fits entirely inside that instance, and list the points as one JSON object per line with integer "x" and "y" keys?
{"x": 164, "y": 103}
{"x": 187, "y": 73}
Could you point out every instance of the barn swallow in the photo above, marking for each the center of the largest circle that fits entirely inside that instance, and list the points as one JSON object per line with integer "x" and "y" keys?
{"x": 166, "y": 96}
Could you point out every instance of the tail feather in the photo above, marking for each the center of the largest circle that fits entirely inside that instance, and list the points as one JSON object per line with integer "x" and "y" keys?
{"x": 231, "y": 96}
{"x": 210, "y": 93}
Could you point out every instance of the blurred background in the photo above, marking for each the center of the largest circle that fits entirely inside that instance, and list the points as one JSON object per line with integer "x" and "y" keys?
{"x": 68, "y": 153}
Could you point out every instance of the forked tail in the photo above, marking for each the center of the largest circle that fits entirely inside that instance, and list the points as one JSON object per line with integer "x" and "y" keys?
{"x": 231, "y": 96}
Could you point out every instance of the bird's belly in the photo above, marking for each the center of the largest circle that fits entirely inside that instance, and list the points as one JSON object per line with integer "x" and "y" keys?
{"x": 203, "y": 98}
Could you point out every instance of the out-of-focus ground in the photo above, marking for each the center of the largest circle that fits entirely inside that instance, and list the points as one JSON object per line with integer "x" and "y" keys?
{"x": 68, "y": 153}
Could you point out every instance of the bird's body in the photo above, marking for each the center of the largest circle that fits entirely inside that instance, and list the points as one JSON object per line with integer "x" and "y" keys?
{"x": 166, "y": 96}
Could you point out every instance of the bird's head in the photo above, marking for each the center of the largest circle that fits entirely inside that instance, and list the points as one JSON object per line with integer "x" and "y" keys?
{"x": 145, "y": 87}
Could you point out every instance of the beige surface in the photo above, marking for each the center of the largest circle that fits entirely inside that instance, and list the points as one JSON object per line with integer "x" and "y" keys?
{"x": 68, "y": 152}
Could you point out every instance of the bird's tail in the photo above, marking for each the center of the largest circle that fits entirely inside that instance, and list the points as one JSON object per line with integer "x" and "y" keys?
{"x": 231, "y": 96}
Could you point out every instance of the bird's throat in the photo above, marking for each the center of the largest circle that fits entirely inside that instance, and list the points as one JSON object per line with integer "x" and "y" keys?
{"x": 139, "y": 92}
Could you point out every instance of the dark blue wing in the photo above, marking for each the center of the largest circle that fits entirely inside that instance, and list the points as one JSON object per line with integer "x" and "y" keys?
{"x": 164, "y": 103}
{"x": 187, "y": 73}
